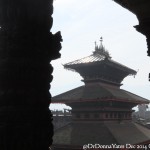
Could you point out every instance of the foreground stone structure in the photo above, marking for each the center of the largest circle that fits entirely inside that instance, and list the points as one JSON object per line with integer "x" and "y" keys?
{"x": 26, "y": 48}
{"x": 141, "y": 9}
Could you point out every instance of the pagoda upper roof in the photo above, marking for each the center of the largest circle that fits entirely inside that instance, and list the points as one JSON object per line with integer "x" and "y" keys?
{"x": 98, "y": 92}
{"x": 99, "y": 58}
{"x": 96, "y": 57}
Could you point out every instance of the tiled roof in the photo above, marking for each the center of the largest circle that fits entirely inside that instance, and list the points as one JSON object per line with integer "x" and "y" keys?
{"x": 88, "y": 59}
{"x": 83, "y": 133}
{"x": 128, "y": 132}
{"x": 97, "y": 58}
{"x": 97, "y": 92}
{"x": 105, "y": 133}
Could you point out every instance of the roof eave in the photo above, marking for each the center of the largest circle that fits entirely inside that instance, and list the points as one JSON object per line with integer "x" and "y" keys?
{"x": 66, "y": 101}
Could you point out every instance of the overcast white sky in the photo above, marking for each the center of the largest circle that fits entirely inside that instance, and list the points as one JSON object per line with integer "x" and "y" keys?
{"x": 82, "y": 22}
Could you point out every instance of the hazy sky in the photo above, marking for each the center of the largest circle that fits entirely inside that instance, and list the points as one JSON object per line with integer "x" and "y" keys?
{"x": 82, "y": 22}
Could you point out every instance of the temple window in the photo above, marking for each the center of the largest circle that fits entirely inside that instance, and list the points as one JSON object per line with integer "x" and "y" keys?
{"x": 78, "y": 116}
{"x": 106, "y": 115}
{"x": 86, "y": 115}
{"x": 96, "y": 115}
{"x": 111, "y": 115}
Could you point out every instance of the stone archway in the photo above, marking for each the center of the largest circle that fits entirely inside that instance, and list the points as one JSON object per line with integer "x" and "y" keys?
{"x": 26, "y": 48}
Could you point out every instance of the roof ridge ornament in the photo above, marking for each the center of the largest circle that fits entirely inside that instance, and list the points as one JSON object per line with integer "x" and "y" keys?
{"x": 101, "y": 41}
{"x": 96, "y": 46}
{"x": 101, "y": 49}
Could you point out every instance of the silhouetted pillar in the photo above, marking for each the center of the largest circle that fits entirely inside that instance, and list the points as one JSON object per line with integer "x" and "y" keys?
{"x": 26, "y": 48}
{"x": 144, "y": 28}
{"x": 141, "y": 9}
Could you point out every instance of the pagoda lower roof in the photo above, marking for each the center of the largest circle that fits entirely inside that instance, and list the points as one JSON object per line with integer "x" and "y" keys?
{"x": 104, "y": 133}
{"x": 98, "y": 92}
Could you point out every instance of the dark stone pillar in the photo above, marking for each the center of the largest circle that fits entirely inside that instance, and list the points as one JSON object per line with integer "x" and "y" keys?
{"x": 144, "y": 28}
{"x": 26, "y": 48}
{"x": 141, "y": 9}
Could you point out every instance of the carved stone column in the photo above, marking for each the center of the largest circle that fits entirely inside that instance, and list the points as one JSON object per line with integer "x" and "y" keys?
{"x": 26, "y": 48}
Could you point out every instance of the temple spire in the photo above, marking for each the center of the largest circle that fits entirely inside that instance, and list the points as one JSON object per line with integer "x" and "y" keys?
{"x": 96, "y": 46}
{"x": 101, "y": 40}
{"x": 101, "y": 47}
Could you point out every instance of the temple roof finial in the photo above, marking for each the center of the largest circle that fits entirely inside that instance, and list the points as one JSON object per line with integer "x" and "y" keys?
{"x": 95, "y": 43}
{"x": 101, "y": 44}
{"x": 101, "y": 40}
{"x": 101, "y": 49}
{"x": 96, "y": 47}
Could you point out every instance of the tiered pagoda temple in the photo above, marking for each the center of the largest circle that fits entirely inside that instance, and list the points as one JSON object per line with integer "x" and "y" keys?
{"x": 101, "y": 110}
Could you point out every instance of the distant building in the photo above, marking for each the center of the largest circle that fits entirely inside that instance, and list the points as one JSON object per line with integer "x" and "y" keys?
{"x": 61, "y": 118}
{"x": 101, "y": 110}
{"x": 142, "y": 110}
{"x": 142, "y": 116}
